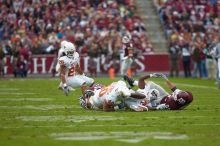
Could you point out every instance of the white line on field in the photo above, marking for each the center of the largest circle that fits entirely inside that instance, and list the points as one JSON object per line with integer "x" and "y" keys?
{"x": 72, "y": 126}
{"x": 16, "y": 93}
{"x": 37, "y": 107}
{"x": 67, "y": 118}
{"x": 128, "y": 137}
{"x": 193, "y": 86}
{"x": 9, "y": 89}
{"x": 25, "y": 99}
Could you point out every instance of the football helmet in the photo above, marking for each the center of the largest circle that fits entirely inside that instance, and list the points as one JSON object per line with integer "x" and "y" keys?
{"x": 82, "y": 102}
{"x": 69, "y": 49}
{"x": 88, "y": 93}
{"x": 153, "y": 94}
{"x": 63, "y": 43}
{"x": 184, "y": 97}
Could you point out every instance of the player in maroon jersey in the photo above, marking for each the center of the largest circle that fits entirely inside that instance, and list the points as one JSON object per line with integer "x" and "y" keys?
{"x": 127, "y": 54}
{"x": 176, "y": 100}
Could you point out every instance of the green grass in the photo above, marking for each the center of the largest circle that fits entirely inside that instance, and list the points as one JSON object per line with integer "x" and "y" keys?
{"x": 26, "y": 121}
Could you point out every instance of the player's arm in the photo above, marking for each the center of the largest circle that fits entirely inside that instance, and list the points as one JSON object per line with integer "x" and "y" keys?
{"x": 141, "y": 81}
{"x": 158, "y": 107}
{"x": 63, "y": 78}
{"x": 62, "y": 74}
{"x": 137, "y": 95}
{"x": 108, "y": 106}
{"x": 171, "y": 85}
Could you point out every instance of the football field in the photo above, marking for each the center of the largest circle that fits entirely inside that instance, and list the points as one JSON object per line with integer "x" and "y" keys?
{"x": 34, "y": 112}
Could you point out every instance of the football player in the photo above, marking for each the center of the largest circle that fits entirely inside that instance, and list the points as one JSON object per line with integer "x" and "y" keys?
{"x": 127, "y": 54}
{"x": 159, "y": 98}
{"x": 60, "y": 54}
{"x": 107, "y": 98}
{"x": 70, "y": 71}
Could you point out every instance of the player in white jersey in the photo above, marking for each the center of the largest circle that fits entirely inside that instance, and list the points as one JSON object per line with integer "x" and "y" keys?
{"x": 127, "y": 54}
{"x": 158, "y": 98}
{"x": 61, "y": 53}
{"x": 106, "y": 98}
{"x": 70, "y": 71}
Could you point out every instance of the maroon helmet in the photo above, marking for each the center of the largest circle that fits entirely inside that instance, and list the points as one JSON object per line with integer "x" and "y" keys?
{"x": 184, "y": 97}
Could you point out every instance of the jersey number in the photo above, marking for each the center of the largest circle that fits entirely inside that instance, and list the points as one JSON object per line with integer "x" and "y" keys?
{"x": 104, "y": 90}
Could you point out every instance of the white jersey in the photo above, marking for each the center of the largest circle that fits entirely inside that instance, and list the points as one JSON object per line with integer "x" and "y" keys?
{"x": 114, "y": 92}
{"x": 70, "y": 63}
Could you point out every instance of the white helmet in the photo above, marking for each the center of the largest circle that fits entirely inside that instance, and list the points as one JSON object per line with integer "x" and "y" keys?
{"x": 63, "y": 43}
{"x": 69, "y": 49}
{"x": 153, "y": 94}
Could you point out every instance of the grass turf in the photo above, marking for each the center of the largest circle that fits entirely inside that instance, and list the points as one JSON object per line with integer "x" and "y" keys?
{"x": 34, "y": 112}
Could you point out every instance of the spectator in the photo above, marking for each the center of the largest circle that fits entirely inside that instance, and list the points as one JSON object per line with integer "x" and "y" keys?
{"x": 186, "y": 59}
{"x": 174, "y": 52}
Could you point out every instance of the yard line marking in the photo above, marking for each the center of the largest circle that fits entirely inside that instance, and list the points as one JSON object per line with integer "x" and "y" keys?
{"x": 14, "y": 93}
{"x": 9, "y": 89}
{"x": 166, "y": 137}
{"x": 38, "y": 107}
{"x": 25, "y": 99}
{"x": 137, "y": 140}
{"x": 128, "y": 136}
{"x": 72, "y": 126}
{"x": 194, "y": 86}
{"x": 68, "y": 118}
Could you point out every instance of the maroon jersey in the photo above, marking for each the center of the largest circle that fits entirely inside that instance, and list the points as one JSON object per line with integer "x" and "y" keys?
{"x": 128, "y": 49}
{"x": 177, "y": 100}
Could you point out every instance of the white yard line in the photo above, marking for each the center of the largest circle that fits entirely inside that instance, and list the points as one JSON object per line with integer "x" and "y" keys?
{"x": 67, "y": 118}
{"x": 193, "y": 86}
{"x": 72, "y": 126}
{"x": 36, "y": 107}
{"x": 9, "y": 89}
{"x": 128, "y": 137}
{"x": 16, "y": 93}
{"x": 25, "y": 99}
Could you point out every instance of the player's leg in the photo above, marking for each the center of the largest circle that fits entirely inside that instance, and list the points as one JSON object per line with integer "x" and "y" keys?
{"x": 125, "y": 65}
{"x": 89, "y": 81}
{"x": 135, "y": 104}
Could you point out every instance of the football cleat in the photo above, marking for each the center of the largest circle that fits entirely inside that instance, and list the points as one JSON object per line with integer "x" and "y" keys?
{"x": 130, "y": 81}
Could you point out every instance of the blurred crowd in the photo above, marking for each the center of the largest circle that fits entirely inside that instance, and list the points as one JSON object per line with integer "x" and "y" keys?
{"x": 95, "y": 26}
{"x": 193, "y": 30}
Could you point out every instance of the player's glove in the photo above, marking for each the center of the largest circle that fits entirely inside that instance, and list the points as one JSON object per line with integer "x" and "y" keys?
{"x": 156, "y": 75}
{"x": 66, "y": 90}
{"x": 162, "y": 107}
{"x": 164, "y": 77}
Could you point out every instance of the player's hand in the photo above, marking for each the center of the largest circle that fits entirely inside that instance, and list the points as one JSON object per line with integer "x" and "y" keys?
{"x": 162, "y": 107}
{"x": 156, "y": 75}
{"x": 159, "y": 75}
{"x": 164, "y": 77}
{"x": 66, "y": 90}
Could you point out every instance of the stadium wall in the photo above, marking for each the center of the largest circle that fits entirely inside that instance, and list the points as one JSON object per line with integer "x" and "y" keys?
{"x": 43, "y": 64}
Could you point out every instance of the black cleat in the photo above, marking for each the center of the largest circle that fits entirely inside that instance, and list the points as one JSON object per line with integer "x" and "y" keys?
{"x": 130, "y": 81}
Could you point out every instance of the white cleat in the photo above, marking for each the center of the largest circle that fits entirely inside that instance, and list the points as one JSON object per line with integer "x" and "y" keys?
{"x": 71, "y": 89}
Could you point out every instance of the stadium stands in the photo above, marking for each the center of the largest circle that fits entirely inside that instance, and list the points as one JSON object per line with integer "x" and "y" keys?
{"x": 192, "y": 25}
{"x": 37, "y": 26}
